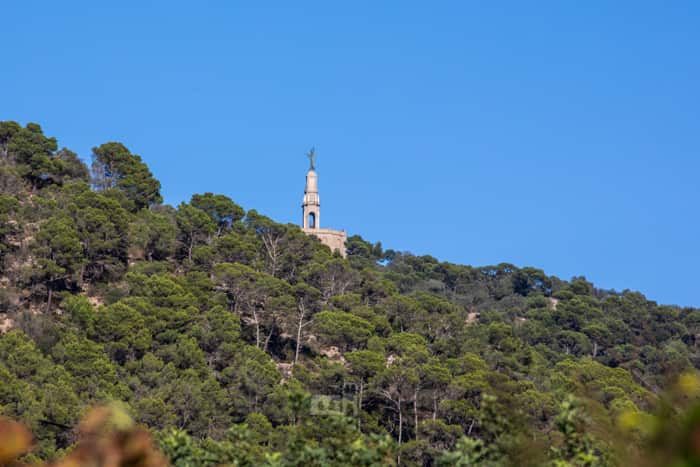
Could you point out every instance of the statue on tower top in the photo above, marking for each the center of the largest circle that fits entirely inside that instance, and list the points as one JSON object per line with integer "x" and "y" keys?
{"x": 312, "y": 158}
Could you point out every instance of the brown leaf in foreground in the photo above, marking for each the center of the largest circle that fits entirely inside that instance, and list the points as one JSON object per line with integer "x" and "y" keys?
{"x": 109, "y": 438}
{"x": 15, "y": 440}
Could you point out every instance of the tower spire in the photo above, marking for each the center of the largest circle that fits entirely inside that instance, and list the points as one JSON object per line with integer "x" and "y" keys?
{"x": 311, "y": 206}
{"x": 311, "y": 209}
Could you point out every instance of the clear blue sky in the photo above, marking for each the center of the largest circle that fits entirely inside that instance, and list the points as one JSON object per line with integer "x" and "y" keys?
{"x": 561, "y": 135}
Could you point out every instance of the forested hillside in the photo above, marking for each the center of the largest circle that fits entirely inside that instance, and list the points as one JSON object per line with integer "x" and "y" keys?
{"x": 238, "y": 340}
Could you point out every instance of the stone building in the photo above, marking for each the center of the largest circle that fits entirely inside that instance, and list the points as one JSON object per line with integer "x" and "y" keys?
{"x": 311, "y": 208}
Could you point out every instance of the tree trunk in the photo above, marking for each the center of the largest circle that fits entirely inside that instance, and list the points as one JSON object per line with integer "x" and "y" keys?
{"x": 415, "y": 412}
{"x": 400, "y": 422}
{"x": 48, "y": 302}
{"x": 398, "y": 455}
{"x": 189, "y": 248}
{"x": 595, "y": 349}
{"x": 269, "y": 336}
{"x": 257, "y": 329}
{"x": 298, "y": 346}
{"x": 434, "y": 407}
{"x": 359, "y": 403}
{"x": 271, "y": 247}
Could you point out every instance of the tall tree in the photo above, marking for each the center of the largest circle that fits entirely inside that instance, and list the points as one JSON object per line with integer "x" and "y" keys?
{"x": 364, "y": 364}
{"x": 195, "y": 226}
{"x": 59, "y": 256}
{"x": 222, "y": 210}
{"x": 343, "y": 329}
{"x": 397, "y": 385}
{"x": 306, "y": 299}
{"x": 73, "y": 168}
{"x": 153, "y": 235}
{"x": 8, "y": 130}
{"x": 332, "y": 277}
{"x": 114, "y": 167}
{"x": 33, "y": 152}
{"x": 271, "y": 235}
{"x": 252, "y": 294}
{"x": 8, "y": 209}
{"x": 102, "y": 226}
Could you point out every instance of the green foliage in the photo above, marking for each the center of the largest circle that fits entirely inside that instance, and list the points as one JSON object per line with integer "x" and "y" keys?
{"x": 36, "y": 157}
{"x": 221, "y": 209}
{"x": 115, "y": 168}
{"x": 223, "y": 331}
{"x": 576, "y": 448}
{"x": 102, "y": 226}
{"x": 8, "y": 209}
{"x": 195, "y": 228}
{"x": 59, "y": 257}
{"x": 469, "y": 452}
{"x": 343, "y": 329}
{"x": 152, "y": 236}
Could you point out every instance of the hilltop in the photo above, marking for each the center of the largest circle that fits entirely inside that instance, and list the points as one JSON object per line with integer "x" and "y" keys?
{"x": 237, "y": 339}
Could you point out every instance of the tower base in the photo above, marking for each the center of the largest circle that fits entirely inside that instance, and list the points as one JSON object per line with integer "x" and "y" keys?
{"x": 333, "y": 239}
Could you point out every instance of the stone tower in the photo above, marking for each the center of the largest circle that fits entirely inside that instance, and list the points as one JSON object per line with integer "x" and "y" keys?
{"x": 311, "y": 206}
{"x": 311, "y": 210}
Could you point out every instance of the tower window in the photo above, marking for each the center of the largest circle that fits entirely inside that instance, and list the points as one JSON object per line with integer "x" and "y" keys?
{"x": 312, "y": 220}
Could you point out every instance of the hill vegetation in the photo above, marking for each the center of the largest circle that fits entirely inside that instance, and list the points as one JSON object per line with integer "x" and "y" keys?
{"x": 238, "y": 340}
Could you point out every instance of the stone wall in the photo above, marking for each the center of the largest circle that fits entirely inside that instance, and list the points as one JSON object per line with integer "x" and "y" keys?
{"x": 333, "y": 239}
